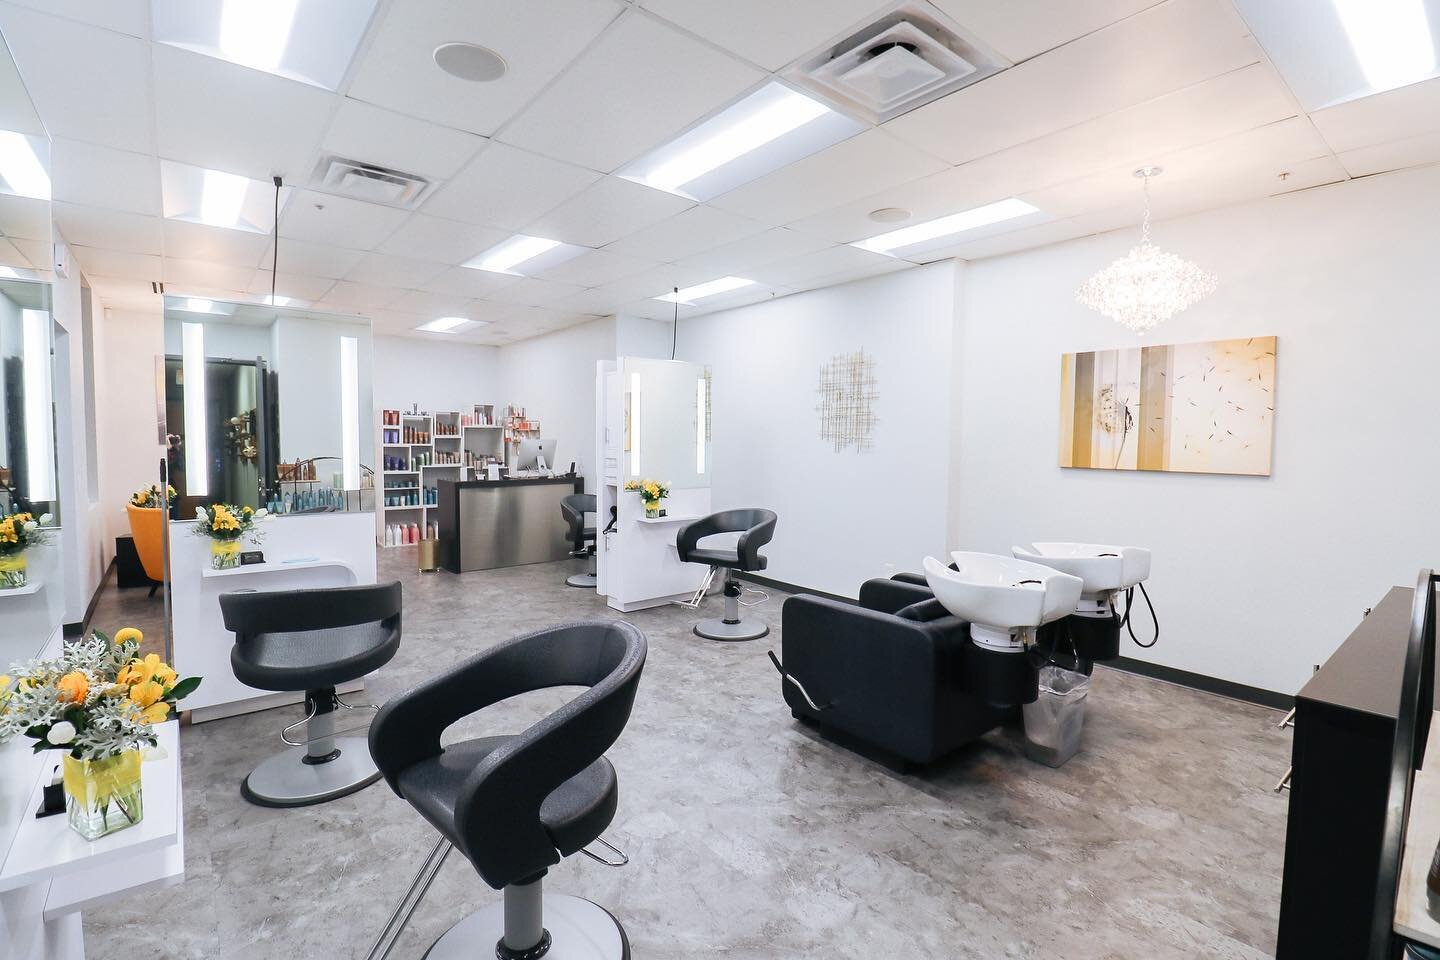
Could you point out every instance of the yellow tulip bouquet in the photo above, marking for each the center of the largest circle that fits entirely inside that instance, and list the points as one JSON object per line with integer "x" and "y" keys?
{"x": 225, "y": 525}
{"x": 148, "y": 498}
{"x": 19, "y": 532}
{"x": 97, "y": 699}
{"x": 652, "y": 492}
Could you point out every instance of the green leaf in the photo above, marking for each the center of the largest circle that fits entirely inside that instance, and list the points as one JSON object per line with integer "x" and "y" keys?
{"x": 184, "y": 688}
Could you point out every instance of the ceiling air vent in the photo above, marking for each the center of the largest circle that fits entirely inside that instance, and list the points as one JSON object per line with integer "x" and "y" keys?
{"x": 911, "y": 56}
{"x": 365, "y": 181}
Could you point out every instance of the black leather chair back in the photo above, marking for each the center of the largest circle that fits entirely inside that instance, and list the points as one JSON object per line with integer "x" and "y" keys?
{"x": 755, "y": 526}
{"x": 573, "y": 508}
{"x": 497, "y": 811}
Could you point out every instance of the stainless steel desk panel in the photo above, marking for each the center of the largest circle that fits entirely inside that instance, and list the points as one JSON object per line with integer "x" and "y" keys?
{"x": 512, "y": 523}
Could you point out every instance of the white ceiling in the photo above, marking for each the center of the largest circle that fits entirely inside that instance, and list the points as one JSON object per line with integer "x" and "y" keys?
{"x": 1098, "y": 88}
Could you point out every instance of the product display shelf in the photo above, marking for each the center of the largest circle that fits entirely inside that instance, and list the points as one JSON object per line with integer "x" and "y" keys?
{"x": 484, "y": 436}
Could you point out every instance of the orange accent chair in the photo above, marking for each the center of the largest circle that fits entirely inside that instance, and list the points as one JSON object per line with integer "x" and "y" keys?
{"x": 147, "y": 526}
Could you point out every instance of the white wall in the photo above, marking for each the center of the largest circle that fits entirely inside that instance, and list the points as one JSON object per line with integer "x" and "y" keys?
{"x": 127, "y": 343}
{"x": 438, "y": 375}
{"x": 1255, "y": 579}
{"x": 553, "y": 378}
{"x": 843, "y": 517}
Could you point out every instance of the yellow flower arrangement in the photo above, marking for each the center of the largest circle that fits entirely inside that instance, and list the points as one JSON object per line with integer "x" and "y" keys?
{"x": 224, "y": 521}
{"x": 148, "y": 498}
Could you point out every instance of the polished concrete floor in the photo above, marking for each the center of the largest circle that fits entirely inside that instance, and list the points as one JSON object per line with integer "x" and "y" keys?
{"x": 749, "y": 834}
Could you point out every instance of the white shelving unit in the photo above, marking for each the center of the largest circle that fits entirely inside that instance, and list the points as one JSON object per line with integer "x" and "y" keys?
{"x": 448, "y": 437}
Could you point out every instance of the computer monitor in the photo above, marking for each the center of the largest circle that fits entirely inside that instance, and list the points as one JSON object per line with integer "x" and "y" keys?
{"x": 532, "y": 449}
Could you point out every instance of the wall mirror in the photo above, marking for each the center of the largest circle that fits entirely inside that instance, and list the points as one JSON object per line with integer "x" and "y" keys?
{"x": 667, "y": 422}
{"x": 267, "y": 407}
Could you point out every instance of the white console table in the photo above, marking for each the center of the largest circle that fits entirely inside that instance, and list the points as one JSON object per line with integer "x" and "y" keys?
{"x": 305, "y": 551}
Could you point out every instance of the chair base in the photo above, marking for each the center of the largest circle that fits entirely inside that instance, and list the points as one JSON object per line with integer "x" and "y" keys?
{"x": 720, "y": 629}
{"x": 581, "y": 580}
{"x": 579, "y": 930}
{"x": 286, "y": 780}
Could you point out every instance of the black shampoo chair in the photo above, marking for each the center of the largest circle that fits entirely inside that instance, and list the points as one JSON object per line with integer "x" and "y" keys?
{"x": 312, "y": 640}
{"x": 755, "y": 527}
{"x": 515, "y": 805}
{"x": 574, "y": 508}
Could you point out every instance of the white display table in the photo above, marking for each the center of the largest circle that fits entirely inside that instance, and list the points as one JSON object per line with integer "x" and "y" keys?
{"x": 304, "y": 551}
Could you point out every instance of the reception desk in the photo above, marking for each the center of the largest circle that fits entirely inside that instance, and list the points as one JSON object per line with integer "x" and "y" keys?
{"x": 502, "y": 523}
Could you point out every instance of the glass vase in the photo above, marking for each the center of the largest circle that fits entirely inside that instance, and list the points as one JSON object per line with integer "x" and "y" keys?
{"x": 102, "y": 796}
{"x": 224, "y": 554}
{"x": 652, "y": 509}
{"x": 14, "y": 571}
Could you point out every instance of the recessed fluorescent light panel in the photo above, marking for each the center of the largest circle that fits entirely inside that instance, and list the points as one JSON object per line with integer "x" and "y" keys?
{"x": 702, "y": 290}
{"x": 769, "y": 129}
{"x": 21, "y": 168}
{"x": 450, "y": 325}
{"x": 200, "y": 305}
{"x": 523, "y": 256}
{"x": 218, "y": 199}
{"x": 312, "y": 41}
{"x": 1331, "y": 51}
{"x": 933, "y": 234}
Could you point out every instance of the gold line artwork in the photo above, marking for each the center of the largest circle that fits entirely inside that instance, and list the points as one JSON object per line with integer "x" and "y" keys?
{"x": 1182, "y": 408}
{"x": 847, "y": 401}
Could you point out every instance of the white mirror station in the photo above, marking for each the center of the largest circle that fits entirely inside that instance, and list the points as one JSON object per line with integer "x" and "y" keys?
{"x": 652, "y": 423}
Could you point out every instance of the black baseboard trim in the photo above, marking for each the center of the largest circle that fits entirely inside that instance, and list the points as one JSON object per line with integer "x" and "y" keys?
{"x": 1198, "y": 681}
{"x": 1142, "y": 668}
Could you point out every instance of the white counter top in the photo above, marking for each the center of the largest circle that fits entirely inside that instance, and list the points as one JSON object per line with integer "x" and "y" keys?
{"x": 274, "y": 566}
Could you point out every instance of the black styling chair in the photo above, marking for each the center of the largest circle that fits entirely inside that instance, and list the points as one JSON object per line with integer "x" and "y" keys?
{"x": 574, "y": 508}
{"x": 312, "y": 640}
{"x": 515, "y": 805}
{"x": 756, "y": 528}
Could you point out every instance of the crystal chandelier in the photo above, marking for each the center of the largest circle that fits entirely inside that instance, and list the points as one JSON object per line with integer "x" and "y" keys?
{"x": 1147, "y": 286}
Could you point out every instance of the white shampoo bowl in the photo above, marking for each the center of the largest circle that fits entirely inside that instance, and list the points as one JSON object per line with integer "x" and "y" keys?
{"x": 1104, "y": 568}
{"x": 1001, "y": 596}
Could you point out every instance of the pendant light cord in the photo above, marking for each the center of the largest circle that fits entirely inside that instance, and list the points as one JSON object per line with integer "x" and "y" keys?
{"x": 275, "y": 246}
{"x": 1145, "y": 224}
{"x": 675, "y": 324}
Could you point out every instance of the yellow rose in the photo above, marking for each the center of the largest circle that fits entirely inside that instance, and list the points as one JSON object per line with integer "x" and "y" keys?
{"x": 155, "y": 713}
{"x": 145, "y": 694}
{"x": 127, "y": 634}
{"x": 73, "y": 687}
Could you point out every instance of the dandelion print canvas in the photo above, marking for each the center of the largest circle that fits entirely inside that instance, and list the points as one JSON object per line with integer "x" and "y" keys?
{"x": 1184, "y": 408}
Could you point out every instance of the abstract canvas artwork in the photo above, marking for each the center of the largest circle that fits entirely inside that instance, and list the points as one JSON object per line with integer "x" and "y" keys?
{"x": 847, "y": 401}
{"x": 1185, "y": 408}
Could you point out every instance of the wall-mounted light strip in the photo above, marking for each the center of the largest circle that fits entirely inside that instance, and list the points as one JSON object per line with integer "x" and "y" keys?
{"x": 702, "y": 290}
{"x": 700, "y": 425}
{"x": 39, "y": 413}
{"x": 1391, "y": 40}
{"x": 635, "y": 424}
{"x": 192, "y": 368}
{"x": 954, "y": 224}
{"x": 350, "y": 412}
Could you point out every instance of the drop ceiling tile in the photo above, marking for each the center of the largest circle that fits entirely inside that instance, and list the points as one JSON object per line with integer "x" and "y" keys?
{"x": 392, "y": 271}
{"x": 1025, "y": 238}
{"x": 854, "y": 273}
{"x": 734, "y": 259}
{"x": 29, "y": 219}
{"x": 197, "y": 241}
{"x": 363, "y": 296}
{"x": 87, "y": 83}
{"x": 530, "y": 292}
{"x": 1020, "y": 29}
{"x": 829, "y": 262}
{"x": 1153, "y": 53}
{"x": 641, "y": 83}
{"x": 313, "y": 259}
{"x": 290, "y": 285}
{"x": 605, "y": 211}
{"x": 651, "y": 283}
{"x": 97, "y": 262}
{"x": 508, "y": 187}
{"x": 693, "y": 231}
{"x": 340, "y": 221}
{"x": 112, "y": 229}
{"x": 98, "y": 176}
{"x": 130, "y": 17}
{"x": 1226, "y": 105}
{"x": 790, "y": 29}
{"x": 190, "y": 276}
{"x": 855, "y": 168}
{"x": 1411, "y": 152}
{"x": 11, "y": 256}
{"x": 467, "y": 282}
{"x": 432, "y": 305}
{"x": 220, "y": 116}
{"x": 384, "y": 138}
{"x": 597, "y": 267}
{"x": 1382, "y": 118}
{"x": 537, "y": 39}
{"x": 435, "y": 238}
